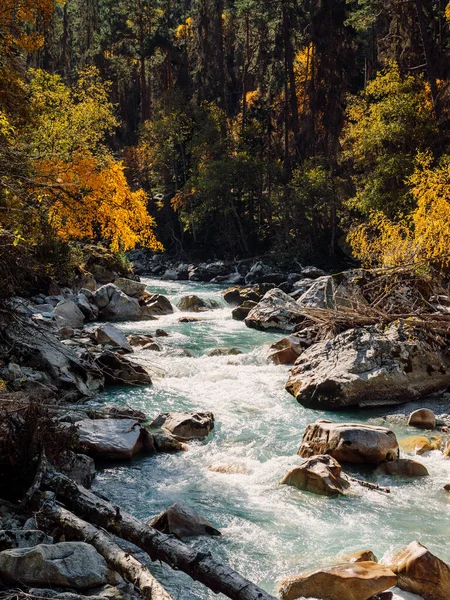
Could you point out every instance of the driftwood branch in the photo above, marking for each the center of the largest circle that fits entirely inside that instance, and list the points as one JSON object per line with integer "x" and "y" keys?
{"x": 201, "y": 566}
{"x": 368, "y": 485}
{"x": 122, "y": 562}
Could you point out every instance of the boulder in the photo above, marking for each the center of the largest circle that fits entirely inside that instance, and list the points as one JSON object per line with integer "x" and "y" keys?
{"x": 312, "y": 272}
{"x": 139, "y": 340}
{"x": 110, "y": 438}
{"x": 276, "y": 311}
{"x": 118, "y": 370}
{"x": 360, "y": 556}
{"x": 317, "y": 294}
{"x": 191, "y": 303}
{"x": 85, "y": 281}
{"x": 319, "y": 475}
{"x": 90, "y": 311}
{"x": 156, "y": 305}
{"x": 19, "y": 538}
{"x": 368, "y": 367}
{"x": 403, "y": 467}
{"x": 74, "y": 565}
{"x": 208, "y": 271}
{"x": 421, "y": 573}
{"x": 68, "y": 314}
{"x": 130, "y": 287}
{"x": 182, "y": 521}
{"x": 287, "y": 350}
{"x": 352, "y": 581}
{"x": 240, "y": 313}
{"x": 416, "y": 445}
{"x": 186, "y": 426}
{"x": 179, "y": 273}
{"x": 224, "y": 352}
{"x": 349, "y": 442}
{"x": 79, "y": 467}
{"x": 423, "y": 418}
{"x": 110, "y": 334}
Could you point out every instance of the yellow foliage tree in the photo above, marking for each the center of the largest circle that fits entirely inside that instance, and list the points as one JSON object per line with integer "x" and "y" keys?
{"x": 423, "y": 236}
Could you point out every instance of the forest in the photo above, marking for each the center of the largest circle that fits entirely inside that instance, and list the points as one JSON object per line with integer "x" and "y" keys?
{"x": 310, "y": 130}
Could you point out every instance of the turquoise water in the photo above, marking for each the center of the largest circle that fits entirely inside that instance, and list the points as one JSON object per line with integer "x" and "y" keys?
{"x": 269, "y": 531}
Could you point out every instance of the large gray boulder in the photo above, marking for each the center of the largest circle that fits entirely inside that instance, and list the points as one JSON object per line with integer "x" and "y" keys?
{"x": 155, "y": 305}
{"x": 185, "y": 425}
{"x": 75, "y": 565}
{"x": 111, "y": 438}
{"x": 115, "y": 305}
{"x": 349, "y": 442}
{"x": 131, "y": 288}
{"x": 276, "y": 311}
{"x": 118, "y": 370}
{"x": 319, "y": 475}
{"x": 68, "y": 314}
{"x": 183, "y": 521}
{"x": 107, "y": 333}
{"x": 367, "y": 366}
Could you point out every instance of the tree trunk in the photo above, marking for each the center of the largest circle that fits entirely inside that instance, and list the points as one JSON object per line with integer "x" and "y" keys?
{"x": 201, "y": 566}
{"x": 122, "y": 562}
{"x": 429, "y": 58}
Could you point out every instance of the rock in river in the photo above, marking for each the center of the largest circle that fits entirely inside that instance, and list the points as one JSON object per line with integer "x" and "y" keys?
{"x": 183, "y": 521}
{"x": 74, "y": 565}
{"x": 319, "y": 475}
{"x": 108, "y": 333}
{"x": 121, "y": 371}
{"x": 111, "y": 438}
{"x": 349, "y": 442}
{"x": 352, "y": 581}
{"x": 424, "y": 418}
{"x": 186, "y": 426}
{"x": 276, "y": 311}
{"x": 422, "y": 573}
{"x": 403, "y": 467}
{"x": 368, "y": 367}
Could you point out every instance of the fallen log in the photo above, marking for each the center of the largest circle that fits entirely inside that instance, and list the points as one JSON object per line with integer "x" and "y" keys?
{"x": 119, "y": 560}
{"x": 201, "y": 566}
{"x": 368, "y": 485}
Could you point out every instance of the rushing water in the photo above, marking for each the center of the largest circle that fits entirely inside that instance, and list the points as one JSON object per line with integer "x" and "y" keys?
{"x": 269, "y": 531}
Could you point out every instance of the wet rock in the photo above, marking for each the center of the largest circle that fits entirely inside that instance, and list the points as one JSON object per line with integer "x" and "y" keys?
{"x": 224, "y": 352}
{"x": 69, "y": 315}
{"x": 422, "y": 573}
{"x": 186, "y": 426}
{"x": 354, "y": 581}
{"x": 360, "y": 556}
{"x": 192, "y": 303}
{"x": 90, "y": 311}
{"x": 156, "y": 305}
{"x": 276, "y": 311}
{"x": 163, "y": 441}
{"x": 403, "y": 467}
{"x": 126, "y": 412}
{"x": 179, "y": 273}
{"x": 114, "y": 305}
{"x": 109, "y": 334}
{"x": 189, "y": 320}
{"x": 287, "y": 350}
{"x": 183, "y": 521}
{"x": 349, "y": 442}
{"x": 139, "y": 340}
{"x": 318, "y": 475}
{"x": 152, "y": 346}
{"x": 416, "y": 445}
{"x": 229, "y": 469}
{"x": 19, "y": 538}
{"x": 79, "y": 467}
{"x": 240, "y": 313}
{"x": 118, "y": 370}
{"x": 423, "y": 418}
{"x": 133, "y": 289}
{"x": 110, "y": 438}
{"x": 367, "y": 367}
{"x": 161, "y": 333}
{"x": 75, "y": 565}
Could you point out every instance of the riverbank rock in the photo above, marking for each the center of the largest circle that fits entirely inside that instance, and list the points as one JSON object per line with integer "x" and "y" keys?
{"x": 403, "y": 467}
{"x": 424, "y": 418}
{"x": 19, "y": 538}
{"x": 186, "y": 426}
{"x": 360, "y": 556}
{"x": 183, "y": 521}
{"x": 349, "y": 442}
{"x": 107, "y": 333}
{"x": 130, "y": 287}
{"x": 191, "y": 303}
{"x": 68, "y": 314}
{"x": 155, "y": 305}
{"x": 224, "y": 352}
{"x": 110, "y": 438}
{"x": 121, "y": 371}
{"x": 287, "y": 350}
{"x": 318, "y": 475}
{"x": 240, "y": 313}
{"x": 422, "y": 573}
{"x": 114, "y": 305}
{"x": 354, "y": 581}
{"x": 74, "y": 565}
{"x": 276, "y": 311}
{"x": 79, "y": 467}
{"x": 416, "y": 445}
{"x": 367, "y": 367}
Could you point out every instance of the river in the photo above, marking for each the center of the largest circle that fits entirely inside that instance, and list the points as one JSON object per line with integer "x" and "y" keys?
{"x": 269, "y": 531}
